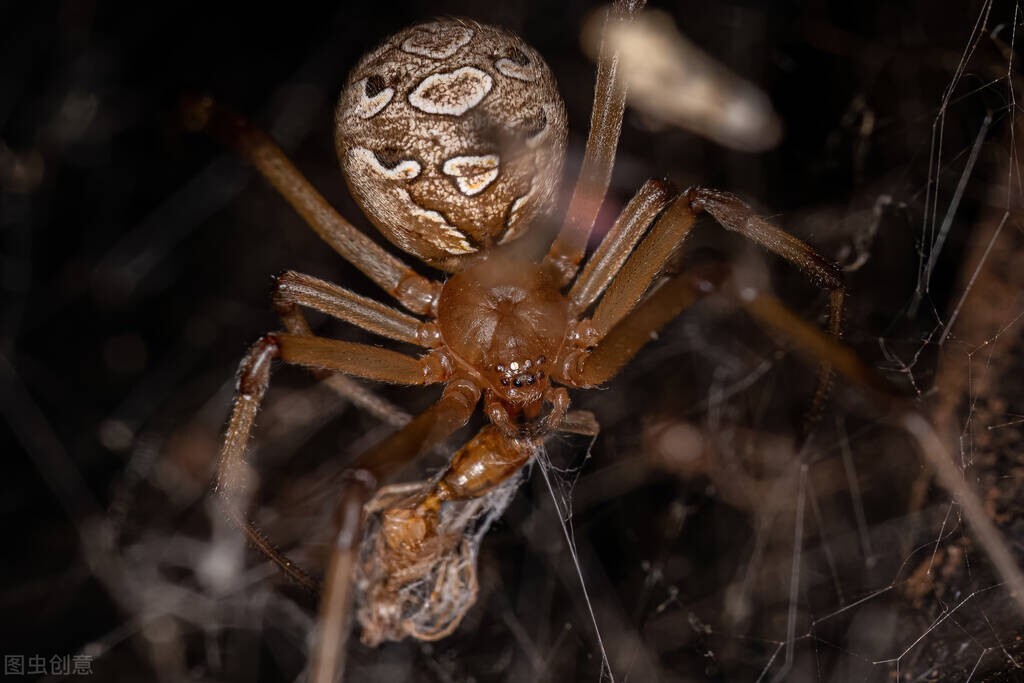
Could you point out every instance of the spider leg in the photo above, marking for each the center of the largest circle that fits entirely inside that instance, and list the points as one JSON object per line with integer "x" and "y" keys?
{"x": 733, "y": 214}
{"x": 327, "y": 663}
{"x": 623, "y": 293}
{"x": 642, "y": 267}
{"x": 598, "y": 365}
{"x": 618, "y": 244}
{"x": 413, "y": 291}
{"x": 359, "y": 360}
{"x": 605, "y": 125}
{"x": 233, "y": 476}
{"x": 423, "y": 432}
{"x": 292, "y": 290}
{"x": 589, "y": 368}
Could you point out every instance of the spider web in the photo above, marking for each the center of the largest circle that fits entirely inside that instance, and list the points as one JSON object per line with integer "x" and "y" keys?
{"x": 710, "y": 547}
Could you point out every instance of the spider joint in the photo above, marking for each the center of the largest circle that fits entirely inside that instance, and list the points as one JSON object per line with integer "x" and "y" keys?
{"x": 418, "y": 294}
{"x": 572, "y": 365}
{"x": 464, "y": 389}
{"x": 583, "y": 335}
{"x": 437, "y": 367}
{"x": 254, "y": 372}
{"x": 429, "y": 335}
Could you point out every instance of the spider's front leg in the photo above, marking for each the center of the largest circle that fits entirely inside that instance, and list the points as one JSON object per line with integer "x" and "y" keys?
{"x": 624, "y": 287}
{"x": 595, "y": 174}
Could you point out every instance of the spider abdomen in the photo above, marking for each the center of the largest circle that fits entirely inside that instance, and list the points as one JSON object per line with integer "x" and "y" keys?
{"x": 507, "y": 322}
{"x": 451, "y": 135}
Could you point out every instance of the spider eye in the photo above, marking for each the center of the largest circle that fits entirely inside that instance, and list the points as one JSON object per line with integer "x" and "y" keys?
{"x": 504, "y": 381}
{"x": 374, "y": 85}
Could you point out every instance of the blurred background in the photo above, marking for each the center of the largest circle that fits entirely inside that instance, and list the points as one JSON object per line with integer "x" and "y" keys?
{"x": 135, "y": 264}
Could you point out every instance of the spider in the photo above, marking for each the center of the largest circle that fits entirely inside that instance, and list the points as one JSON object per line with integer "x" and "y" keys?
{"x": 452, "y": 136}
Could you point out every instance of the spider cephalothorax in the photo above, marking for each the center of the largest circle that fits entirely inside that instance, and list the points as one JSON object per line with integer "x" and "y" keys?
{"x": 506, "y": 323}
{"x": 451, "y": 135}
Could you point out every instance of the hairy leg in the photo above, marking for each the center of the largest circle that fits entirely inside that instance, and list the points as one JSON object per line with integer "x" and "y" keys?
{"x": 233, "y": 475}
{"x": 412, "y": 290}
{"x": 733, "y": 214}
{"x": 617, "y": 245}
{"x": 644, "y": 265}
{"x": 593, "y": 367}
{"x": 605, "y": 125}
{"x": 292, "y": 290}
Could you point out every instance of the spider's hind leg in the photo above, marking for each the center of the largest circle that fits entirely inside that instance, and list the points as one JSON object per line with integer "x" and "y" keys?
{"x": 233, "y": 475}
{"x": 428, "y": 429}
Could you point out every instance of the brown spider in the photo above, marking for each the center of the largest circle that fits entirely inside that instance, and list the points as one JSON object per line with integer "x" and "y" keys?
{"x": 452, "y": 135}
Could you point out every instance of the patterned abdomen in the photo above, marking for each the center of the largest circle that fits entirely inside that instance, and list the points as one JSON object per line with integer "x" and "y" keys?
{"x": 451, "y": 136}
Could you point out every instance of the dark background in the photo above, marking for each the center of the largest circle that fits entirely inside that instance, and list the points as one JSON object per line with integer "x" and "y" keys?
{"x": 136, "y": 263}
